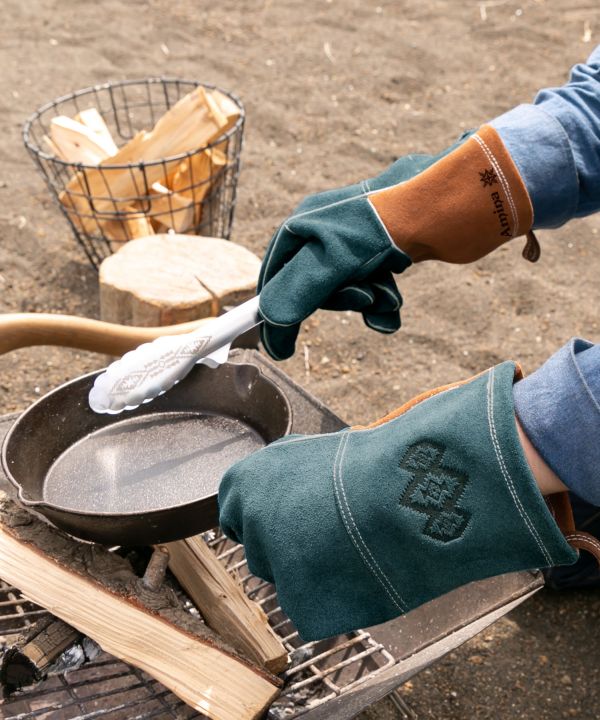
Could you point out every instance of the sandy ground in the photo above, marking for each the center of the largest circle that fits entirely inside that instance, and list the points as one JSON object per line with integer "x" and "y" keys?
{"x": 334, "y": 91}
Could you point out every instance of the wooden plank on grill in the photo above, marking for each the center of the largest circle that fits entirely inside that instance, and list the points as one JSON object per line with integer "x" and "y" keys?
{"x": 168, "y": 279}
{"x": 224, "y": 604}
{"x": 97, "y": 593}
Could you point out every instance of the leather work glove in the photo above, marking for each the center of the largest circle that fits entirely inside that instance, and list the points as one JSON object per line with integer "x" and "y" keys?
{"x": 360, "y": 526}
{"x": 340, "y": 249}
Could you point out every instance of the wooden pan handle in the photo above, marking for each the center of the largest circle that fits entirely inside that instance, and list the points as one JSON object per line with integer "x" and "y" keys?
{"x": 21, "y": 330}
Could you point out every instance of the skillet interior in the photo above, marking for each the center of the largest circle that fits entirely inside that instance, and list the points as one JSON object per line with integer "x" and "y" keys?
{"x": 145, "y": 476}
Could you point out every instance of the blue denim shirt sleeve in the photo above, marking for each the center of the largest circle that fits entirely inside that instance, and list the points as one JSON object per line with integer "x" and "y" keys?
{"x": 559, "y": 409}
{"x": 555, "y": 144}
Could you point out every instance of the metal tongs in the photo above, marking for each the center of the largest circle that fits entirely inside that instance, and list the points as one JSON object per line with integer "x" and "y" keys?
{"x": 153, "y": 368}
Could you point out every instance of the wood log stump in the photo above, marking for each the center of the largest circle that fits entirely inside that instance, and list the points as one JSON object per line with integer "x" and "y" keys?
{"x": 169, "y": 279}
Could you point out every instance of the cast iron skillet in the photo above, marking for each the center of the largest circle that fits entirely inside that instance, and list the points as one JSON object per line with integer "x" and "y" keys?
{"x": 146, "y": 476}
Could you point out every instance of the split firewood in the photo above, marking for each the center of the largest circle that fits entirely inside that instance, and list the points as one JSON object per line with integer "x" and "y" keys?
{"x": 224, "y": 604}
{"x": 126, "y": 225}
{"x": 97, "y": 593}
{"x": 170, "y": 210}
{"x": 194, "y": 121}
{"x": 92, "y": 119}
{"x": 52, "y": 148}
{"x": 227, "y": 107}
{"x": 80, "y": 212}
{"x": 168, "y": 279}
{"x": 196, "y": 175}
{"x": 77, "y": 143}
{"x": 29, "y": 658}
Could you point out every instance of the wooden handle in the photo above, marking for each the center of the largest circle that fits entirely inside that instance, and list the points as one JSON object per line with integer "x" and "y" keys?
{"x": 21, "y": 330}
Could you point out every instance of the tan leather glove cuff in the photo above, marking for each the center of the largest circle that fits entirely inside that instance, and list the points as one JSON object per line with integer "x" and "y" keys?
{"x": 462, "y": 207}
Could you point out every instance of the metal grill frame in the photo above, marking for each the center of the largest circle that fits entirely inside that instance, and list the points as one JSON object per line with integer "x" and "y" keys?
{"x": 323, "y": 669}
{"x": 318, "y": 671}
{"x": 337, "y": 678}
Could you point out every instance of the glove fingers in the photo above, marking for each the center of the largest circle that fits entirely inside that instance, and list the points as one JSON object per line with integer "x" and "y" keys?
{"x": 295, "y": 292}
{"x": 378, "y": 302}
{"x": 357, "y": 297}
{"x": 385, "y": 322}
{"x": 279, "y": 342}
{"x": 237, "y": 523}
{"x": 387, "y": 296}
{"x": 301, "y": 286}
{"x": 377, "y": 294}
{"x": 384, "y": 314}
{"x": 282, "y": 248}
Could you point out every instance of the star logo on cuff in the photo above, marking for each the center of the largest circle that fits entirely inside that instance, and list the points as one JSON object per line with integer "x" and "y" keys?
{"x": 488, "y": 177}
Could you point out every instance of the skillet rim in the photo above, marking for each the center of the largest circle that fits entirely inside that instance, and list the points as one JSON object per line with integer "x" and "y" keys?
{"x": 42, "y": 504}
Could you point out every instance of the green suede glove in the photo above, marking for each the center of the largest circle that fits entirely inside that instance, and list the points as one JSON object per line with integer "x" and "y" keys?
{"x": 360, "y": 526}
{"x": 335, "y": 253}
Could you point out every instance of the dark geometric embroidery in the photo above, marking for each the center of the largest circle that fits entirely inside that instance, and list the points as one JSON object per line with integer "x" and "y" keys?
{"x": 435, "y": 490}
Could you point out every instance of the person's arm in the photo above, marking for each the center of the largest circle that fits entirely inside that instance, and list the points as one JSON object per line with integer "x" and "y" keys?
{"x": 546, "y": 479}
{"x": 558, "y": 408}
{"x": 555, "y": 144}
{"x": 535, "y": 166}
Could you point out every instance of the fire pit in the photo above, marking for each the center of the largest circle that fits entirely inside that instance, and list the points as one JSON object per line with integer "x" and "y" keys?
{"x": 333, "y": 679}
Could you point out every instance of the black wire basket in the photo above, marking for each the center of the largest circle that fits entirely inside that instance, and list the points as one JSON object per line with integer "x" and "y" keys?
{"x": 207, "y": 176}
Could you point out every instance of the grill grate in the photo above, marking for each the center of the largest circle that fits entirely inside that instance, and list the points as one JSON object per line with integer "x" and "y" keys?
{"x": 16, "y": 613}
{"x": 109, "y": 689}
{"x": 105, "y": 688}
{"x": 319, "y": 670}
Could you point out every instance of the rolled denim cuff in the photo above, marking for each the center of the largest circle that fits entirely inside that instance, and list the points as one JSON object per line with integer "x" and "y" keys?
{"x": 560, "y": 414}
{"x": 595, "y": 56}
{"x": 540, "y": 148}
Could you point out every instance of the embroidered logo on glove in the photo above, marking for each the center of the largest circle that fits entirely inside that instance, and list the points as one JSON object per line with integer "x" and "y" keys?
{"x": 488, "y": 177}
{"x": 434, "y": 490}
